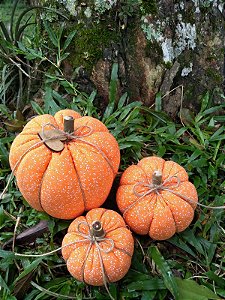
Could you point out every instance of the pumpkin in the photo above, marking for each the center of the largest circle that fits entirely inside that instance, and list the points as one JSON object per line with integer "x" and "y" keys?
{"x": 66, "y": 164}
{"x": 98, "y": 247}
{"x": 156, "y": 198}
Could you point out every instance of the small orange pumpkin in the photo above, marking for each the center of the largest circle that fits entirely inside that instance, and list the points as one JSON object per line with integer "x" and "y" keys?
{"x": 65, "y": 164}
{"x": 156, "y": 198}
{"x": 98, "y": 248}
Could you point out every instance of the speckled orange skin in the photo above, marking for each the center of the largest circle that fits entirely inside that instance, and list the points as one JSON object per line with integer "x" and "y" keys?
{"x": 116, "y": 262}
{"x": 160, "y": 216}
{"x": 51, "y": 181}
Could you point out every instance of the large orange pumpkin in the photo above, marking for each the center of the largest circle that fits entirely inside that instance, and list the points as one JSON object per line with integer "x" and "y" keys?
{"x": 98, "y": 248}
{"x": 156, "y": 198}
{"x": 62, "y": 170}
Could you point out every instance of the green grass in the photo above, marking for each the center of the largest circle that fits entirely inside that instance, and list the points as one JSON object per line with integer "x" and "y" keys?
{"x": 6, "y": 9}
{"x": 188, "y": 266}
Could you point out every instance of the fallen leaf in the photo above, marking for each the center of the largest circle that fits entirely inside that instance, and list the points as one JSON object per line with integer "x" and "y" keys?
{"x": 29, "y": 235}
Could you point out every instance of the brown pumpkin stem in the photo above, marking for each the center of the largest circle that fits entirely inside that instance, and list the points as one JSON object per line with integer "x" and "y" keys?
{"x": 97, "y": 229}
{"x": 68, "y": 124}
{"x": 157, "y": 178}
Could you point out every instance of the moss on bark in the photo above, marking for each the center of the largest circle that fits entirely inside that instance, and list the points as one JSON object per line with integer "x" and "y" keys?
{"x": 90, "y": 42}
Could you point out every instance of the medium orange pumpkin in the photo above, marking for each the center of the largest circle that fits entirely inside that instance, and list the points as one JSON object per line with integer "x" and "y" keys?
{"x": 98, "y": 248}
{"x": 65, "y": 164}
{"x": 156, "y": 198}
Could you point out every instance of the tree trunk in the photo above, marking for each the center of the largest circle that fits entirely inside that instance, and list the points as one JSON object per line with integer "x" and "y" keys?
{"x": 166, "y": 46}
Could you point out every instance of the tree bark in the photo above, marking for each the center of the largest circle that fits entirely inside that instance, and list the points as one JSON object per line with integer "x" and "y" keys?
{"x": 176, "y": 49}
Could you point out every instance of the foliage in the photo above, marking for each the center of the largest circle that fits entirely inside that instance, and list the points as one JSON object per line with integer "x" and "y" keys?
{"x": 158, "y": 269}
{"x": 19, "y": 70}
{"x": 16, "y": 68}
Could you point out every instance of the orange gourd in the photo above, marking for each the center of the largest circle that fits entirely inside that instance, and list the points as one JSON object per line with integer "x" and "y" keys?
{"x": 156, "y": 198}
{"x": 66, "y": 164}
{"x": 98, "y": 248}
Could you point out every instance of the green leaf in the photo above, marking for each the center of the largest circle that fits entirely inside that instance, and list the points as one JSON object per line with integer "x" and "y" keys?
{"x": 22, "y": 285}
{"x": 161, "y": 116}
{"x": 148, "y": 295}
{"x": 4, "y": 156}
{"x": 113, "y": 84}
{"x": 131, "y": 107}
{"x": 113, "y": 290}
{"x": 218, "y": 280}
{"x": 158, "y": 102}
{"x": 122, "y": 100}
{"x": 147, "y": 285}
{"x": 177, "y": 241}
{"x": 64, "y": 56}
{"x": 36, "y": 107}
{"x": 90, "y": 110}
{"x": 3, "y": 284}
{"x": 194, "y": 155}
{"x": 29, "y": 268}
{"x": 221, "y": 292}
{"x": 114, "y": 73}
{"x": 7, "y": 254}
{"x": 4, "y": 110}
{"x": 2, "y": 216}
{"x": 31, "y": 295}
{"x": 33, "y": 54}
{"x": 190, "y": 290}
{"x": 217, "y": 135}
{"x": 165, "y": 270}
{"x": 204, "y": 101}
{"x": 112, "y": 92}
{"x": 61, "y": 100}
{"x": 55, "y": 282}
{"x": 190, "y": 238}
{"x": 211, "y": 122}
{"x": 52, "y": 35}
{"x": 19, "y": 27}
{"x": 50, "y": 105}
{"x": 180, "y": 132}
{"x": 200, "y": 163}
{"x": 68, "y": 40}
{"x": 48, "y": 292}
{"x": 200, "y": 135}
{"x": 212, "y": 110}
{"x": 5, "y": 31}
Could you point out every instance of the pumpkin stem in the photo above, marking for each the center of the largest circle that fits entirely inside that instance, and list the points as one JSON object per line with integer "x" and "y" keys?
{"x": 97, "y": 229}
{"x": 68, "y": 124}
{"x": 157, "y": 177}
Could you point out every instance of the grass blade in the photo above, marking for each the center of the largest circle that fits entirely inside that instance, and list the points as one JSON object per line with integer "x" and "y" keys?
{"x": 190, "y": 290}
{"x": 4, "y": 31}
{"x": 36, "y": 107}
{"x": 4, "y": 156}
{"x": 51, "y": 34}
{"x": 165, "y": 270}
{"x": 3, "y": 284}
{"x": 147, "y": 285}
{"x": 12, "y": 18}
{"x": 68, "y": 40}
{"x": 122, "y": 100}
{"x": 217, "y": 135}
{"x": 45, "y": 291}
{"x": 176, "y": 241}
{"x": 112, "y": 92}
{"x": 29, "y": 268}
{"x": 158, "y": 102}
